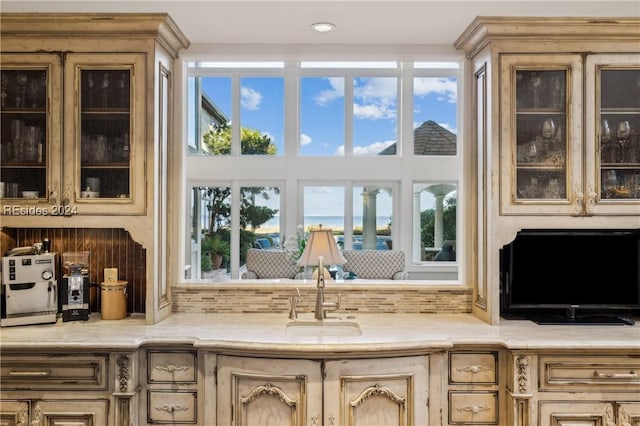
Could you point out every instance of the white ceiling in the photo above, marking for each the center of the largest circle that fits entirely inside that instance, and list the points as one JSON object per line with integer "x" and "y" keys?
{"x": 357, "y": 21}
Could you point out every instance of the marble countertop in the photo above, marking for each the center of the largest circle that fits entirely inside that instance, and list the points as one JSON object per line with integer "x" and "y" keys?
{"x": 388, "y": 334}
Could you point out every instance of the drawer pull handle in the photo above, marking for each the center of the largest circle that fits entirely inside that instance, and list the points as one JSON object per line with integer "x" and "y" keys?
{"x": 473, "y": 369}
{"x": 172, "y": 368}
{"x": 630, "y": 375}
{"x": 170, "y": 408}
{"x": 475, "y": 409}
{"x": 45, "y": 373}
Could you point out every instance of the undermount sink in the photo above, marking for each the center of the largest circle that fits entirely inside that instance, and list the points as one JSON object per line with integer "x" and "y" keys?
{"x": 332, "y": 327}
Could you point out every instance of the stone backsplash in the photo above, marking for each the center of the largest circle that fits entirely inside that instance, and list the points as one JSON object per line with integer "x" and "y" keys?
{"x": 262, "y": 298}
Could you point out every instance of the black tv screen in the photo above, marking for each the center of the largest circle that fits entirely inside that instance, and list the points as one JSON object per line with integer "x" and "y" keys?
{"x": 548, "y": 271}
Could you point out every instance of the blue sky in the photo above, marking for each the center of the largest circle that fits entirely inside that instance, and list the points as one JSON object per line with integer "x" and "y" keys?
{"x": 322, "y": 109}
{"x": 322, "y": 118}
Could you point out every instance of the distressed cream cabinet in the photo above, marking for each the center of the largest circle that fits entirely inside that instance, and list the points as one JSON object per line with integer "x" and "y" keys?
{"x": 68, "y": 389}
{"x": 548, "y": 165}
{"x": 333, "y": 392}
{"x": 473, "y": 394}
{"x": 88, "y": 104}
{"x": 97, "y": 165}
{"x": 543, "y": 92}
{"x": 549, "y": 388}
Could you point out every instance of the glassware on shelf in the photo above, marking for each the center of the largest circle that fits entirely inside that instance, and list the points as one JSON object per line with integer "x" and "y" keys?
{"x": 623, "y": 132}
{"x": 552, "y": 191}
{"x": 90, "y": 84}
{"x": 536, "y": 85}
{"x": 4, "y": 82}
{"x": 105, "y": 90}
{"x": 21, "y": 81}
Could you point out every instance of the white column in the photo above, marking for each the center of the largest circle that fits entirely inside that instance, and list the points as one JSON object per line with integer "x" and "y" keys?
{"x": 369, "y": 231}
{"x": 438, "y": 228}
{"x": 417, "y": 230}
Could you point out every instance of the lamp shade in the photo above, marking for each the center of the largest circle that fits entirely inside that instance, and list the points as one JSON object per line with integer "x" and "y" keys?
{"x": 321, "y": 244}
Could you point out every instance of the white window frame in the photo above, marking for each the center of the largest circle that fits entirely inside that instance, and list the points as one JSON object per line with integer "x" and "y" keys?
{"x": 399, "y": 171}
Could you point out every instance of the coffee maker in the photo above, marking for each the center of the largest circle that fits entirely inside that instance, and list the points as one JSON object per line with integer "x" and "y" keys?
{"x": 29, "y": 288}
{"x": 74, "y": 292}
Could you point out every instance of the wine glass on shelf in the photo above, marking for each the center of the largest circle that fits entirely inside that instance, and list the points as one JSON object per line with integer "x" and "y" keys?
{"x": 536, "y": 84}
{"x": 623, "y": 132}
{"x": 105, "y": 90}
{"x": 21, "y": 81}
{"x": 90, "y": 84}
{"x": 548, "y": 132}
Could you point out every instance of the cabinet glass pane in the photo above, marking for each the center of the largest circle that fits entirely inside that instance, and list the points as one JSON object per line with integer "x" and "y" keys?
{"x": 105, "y": 124}
{"x": 540, "y": 123}
{"x": 619, "y": 123}
{"x": 24, "y": 132}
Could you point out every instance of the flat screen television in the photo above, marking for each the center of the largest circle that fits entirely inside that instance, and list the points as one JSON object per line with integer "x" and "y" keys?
{"x": 565, "y": 276}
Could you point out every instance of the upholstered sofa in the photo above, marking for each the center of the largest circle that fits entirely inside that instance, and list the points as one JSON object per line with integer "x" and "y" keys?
{"x": 376, "y": 264}
{"x": 262, "y": 264}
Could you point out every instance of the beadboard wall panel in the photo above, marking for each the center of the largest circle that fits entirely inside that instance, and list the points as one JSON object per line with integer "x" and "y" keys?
{"x": 108, "y": 247}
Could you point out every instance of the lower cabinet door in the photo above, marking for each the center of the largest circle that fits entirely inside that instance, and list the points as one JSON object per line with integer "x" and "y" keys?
{"x": 69, "y": 412}
{"x": 260, "y": 391}
{"x": 584, "y": 413}
{"x": 381, "y": 392}
{"x": 14, "y": 412}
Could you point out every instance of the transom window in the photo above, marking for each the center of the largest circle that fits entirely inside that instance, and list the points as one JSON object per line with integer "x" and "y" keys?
{"x": 367, "y": 149}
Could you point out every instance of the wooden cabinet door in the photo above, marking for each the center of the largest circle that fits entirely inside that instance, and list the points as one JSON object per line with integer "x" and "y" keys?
{"x": 259, "y": 391}
{"x": 541, "y": 134}
{"x": 105, "y": 136}
{"x": 69, "y": 412}
{"x": 30, "y": 135}
{"x": 612, "y": 156}
{"x": 14, "y": 412}
{"x": 381, "y": 392}
{"x": 629, "y": 413}
{"x": 575, "y": 413}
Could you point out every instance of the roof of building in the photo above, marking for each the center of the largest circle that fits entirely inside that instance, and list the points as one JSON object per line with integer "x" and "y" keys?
{"x": 429, "y": 139}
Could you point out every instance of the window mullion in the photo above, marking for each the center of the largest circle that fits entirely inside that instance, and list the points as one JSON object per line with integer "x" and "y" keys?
{"x": 236, "y": 149}
{"x": 348, "y": 114}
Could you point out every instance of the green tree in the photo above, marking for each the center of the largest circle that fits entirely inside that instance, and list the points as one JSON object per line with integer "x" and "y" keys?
{"x": 252, "y": 142}
{"x": 252, "y": 216}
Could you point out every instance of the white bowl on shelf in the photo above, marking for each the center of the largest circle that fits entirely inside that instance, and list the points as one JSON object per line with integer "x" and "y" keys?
{"x": 30, "y": 194}
{"x": 90, "y": 194}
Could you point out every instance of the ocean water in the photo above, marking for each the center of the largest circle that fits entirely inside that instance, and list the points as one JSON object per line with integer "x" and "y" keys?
{"x": 330, "y": 222}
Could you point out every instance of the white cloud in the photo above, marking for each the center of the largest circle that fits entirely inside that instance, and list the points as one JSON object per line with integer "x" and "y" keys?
{"x": 374, "y": 111}
{"x": 249, "y": 98}
{"x": 329, "y": 95}
{"x": 377, "y": 89}
{"x": 367, "y": 150}
{"x": 372, "y": 149}
{"x": 305, "y": 139}
{"x": 445, "y": 87}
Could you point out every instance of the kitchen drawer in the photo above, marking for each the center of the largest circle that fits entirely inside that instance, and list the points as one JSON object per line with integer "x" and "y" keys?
{"x": 589, "y": 373}
{"x": 470, "y": 408}
{"x": 171, "y": 366}
{"x": 54, "y": 372}
{"x": 174, "y": 407}
{"x": 473, "y": 368}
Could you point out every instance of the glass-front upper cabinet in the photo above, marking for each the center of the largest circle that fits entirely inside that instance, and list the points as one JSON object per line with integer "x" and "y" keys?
{"x": 613, "y": 133}
{"x": 106, "y": 135}
{"x": 30, "y": 135}
{"x": 541, "y": 157}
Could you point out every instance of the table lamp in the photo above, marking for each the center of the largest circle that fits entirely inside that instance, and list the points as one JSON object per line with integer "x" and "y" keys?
{"x": 321, "y": 249}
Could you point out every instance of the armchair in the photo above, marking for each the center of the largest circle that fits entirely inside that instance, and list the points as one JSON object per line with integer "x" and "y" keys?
{"x": 376, "y": 264}
{"x": 262, "y": 264}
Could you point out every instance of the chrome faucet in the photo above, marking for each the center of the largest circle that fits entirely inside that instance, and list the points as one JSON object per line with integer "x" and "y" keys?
{"x": 295, "y": 299}
{"x": 323, "y": 307}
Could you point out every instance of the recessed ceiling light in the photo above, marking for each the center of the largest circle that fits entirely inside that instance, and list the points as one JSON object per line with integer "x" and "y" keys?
{"x": 322, "y": 27}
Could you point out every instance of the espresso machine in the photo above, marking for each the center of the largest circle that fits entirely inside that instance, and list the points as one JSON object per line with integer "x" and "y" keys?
{"x": 74, "y": 292}
{"x": 29, "y": 287}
